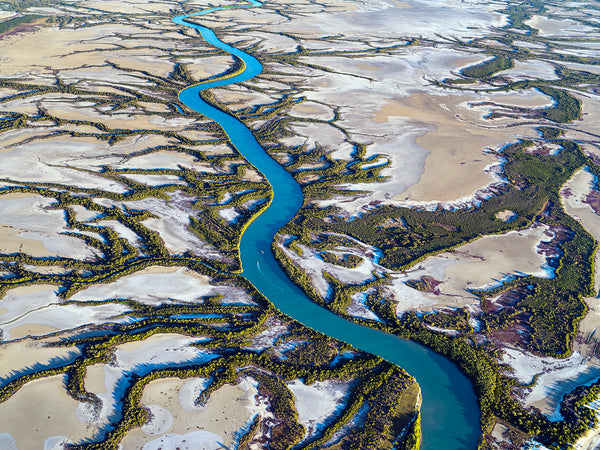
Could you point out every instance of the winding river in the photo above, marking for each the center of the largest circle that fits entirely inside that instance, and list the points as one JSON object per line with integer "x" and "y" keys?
{"x": 449, "y": 412}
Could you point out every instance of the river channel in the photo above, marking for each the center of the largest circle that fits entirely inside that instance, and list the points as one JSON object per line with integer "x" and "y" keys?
{"x": 449, "y": 413}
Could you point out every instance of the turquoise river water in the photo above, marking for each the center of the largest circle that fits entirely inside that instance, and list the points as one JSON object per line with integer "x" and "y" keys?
{"x": 449, "y": 413}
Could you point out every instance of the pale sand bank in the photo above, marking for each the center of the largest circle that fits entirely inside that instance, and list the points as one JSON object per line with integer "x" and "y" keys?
{"x": 57, "y": 317}
{"x": 21, "y": 300}
{"x": 574, "y": 195}
{"x": 33, "y": 329}
{"x": 163, "y": 285}
{"x": 18, "y": 356}
{"x": 555, "y": 377}
{"x": 108, "y": 381}
{"x": 591, "y": 441}
{"x": 482, "y": 263}
{"x": 227, "y": 410}
{"x": 312, "y": 110}
{"x": 49, "y": 410}
{"x": 317, "y": 403}
{"x": 590, "y": 118}
{"x": 506, "y": 215}
{"x": 455, "y": 166}
{"x": 549, "y": 27}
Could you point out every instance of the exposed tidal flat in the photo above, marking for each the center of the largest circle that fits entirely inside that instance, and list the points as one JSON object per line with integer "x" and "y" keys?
{"x": 513, "y": 121}
{"x": 362, "y": 116}
{"x": 107, "y": 321}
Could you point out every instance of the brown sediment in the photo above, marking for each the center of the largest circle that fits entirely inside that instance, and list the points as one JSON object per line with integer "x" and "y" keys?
{"x": 16, "y": 356}
{"x": 48, "y": 411}
{"x": 32, "y": 329}
{"x": 455, "y": 166}
{"x": 226, "y": 411}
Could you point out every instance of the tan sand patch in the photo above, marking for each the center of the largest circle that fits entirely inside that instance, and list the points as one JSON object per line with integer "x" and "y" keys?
{"x": 208, "y": 67}
{"x": 506, "y": 215}
{"x": 47, "y": 269}
{"x": 49, "y": 46}
{"x": 129, "y": 7}
{"x": 150, "y": 64}
{"x": 81, "y": 129}
{"x": 573, "y": 196}
{"x": 197, "y": 135}
{"x": 402, "y": 5}
{"x": 160, "y": 269}
{"x": 42, "y": 236}
{"x": 118, "y": 121}
{"x": 560, "y": 28}
{"x": 31, "y": 330}
{"x": 240, "y": 97}
{"x": 129, "y": 347}
{"x": 154, "y": 107}
{"x": 168, "y": 160}
{"x": 469, "y": 60}
{"x": 26, "y": 108}
{"x": 10, "y": 242}
{"x": 583, "y": 67}
{"x": 590, "y": 440}
{"x": 527, "y": 99}
{"x": 23, "y": 290}
{"x": 590, "y": 118}
{"x": 15, "y": 356}
{"x": 49, "y": 411}
{"x": 12, "y": 137}
{"x": 454, "y": 168}
{"x": 498, "y": 432}
{"x": 370, "y": 67}
{"x": 94, "y": 378}
{"x": 311, "y": 110}
{"x": 494, "y": 256}
{"x": 227, "y": 410}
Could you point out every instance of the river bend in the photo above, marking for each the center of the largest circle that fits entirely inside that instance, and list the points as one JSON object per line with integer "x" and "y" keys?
{"x": 449, "y": 413}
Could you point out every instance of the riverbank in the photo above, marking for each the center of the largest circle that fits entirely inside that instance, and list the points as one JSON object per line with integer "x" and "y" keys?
{"x": 449, "y": 415}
